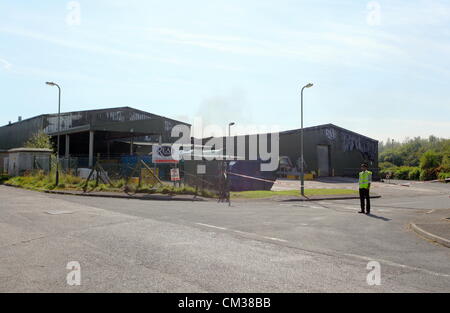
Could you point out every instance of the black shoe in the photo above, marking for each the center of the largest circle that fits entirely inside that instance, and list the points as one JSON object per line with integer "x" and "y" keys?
{"x": 368, "y": 212}
{"x": 361, "y": 212}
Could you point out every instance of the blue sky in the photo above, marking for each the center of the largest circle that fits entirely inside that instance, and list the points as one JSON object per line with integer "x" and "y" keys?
{"x": 379, "y": 68}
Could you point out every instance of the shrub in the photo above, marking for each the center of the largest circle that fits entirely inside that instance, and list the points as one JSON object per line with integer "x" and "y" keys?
{"x": 445, "y": 164}
{"x": 414, "y": 173}
{"x": 385, "y": 165}
{"x": 430, "y": 160}
{"x": 443, "y": 175}
{"x": 386, "y": 171}
{"x": 428, "y": 174}
{"x": 39, "y": 140}
{"x": 402, "y": 172}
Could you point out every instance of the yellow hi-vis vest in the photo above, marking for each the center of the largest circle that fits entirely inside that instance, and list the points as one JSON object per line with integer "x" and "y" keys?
{"x": 365, "y": 178}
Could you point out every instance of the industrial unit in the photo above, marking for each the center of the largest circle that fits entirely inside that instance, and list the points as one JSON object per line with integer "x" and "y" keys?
{"x": 105, "y": 132}
{"x": 329, "y": 150}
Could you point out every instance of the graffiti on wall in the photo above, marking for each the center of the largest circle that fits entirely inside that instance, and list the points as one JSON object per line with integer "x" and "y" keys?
{"x": 353, "y": 142}
{"x": 70, "y": 120}
{"x": 330, "y": 133}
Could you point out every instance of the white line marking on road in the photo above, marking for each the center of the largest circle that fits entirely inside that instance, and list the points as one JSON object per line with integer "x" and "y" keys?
{"x": 365, "y": 258}
{"x": 276, "y": 239}
{"x": 361, "y": 257}
{"x": 242, "y": 232}
{"x": 252, "y": 234}
{"x": 211, "y": 226}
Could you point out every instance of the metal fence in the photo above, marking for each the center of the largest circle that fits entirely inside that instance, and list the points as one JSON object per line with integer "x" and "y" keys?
{"x": 135, "y": 174}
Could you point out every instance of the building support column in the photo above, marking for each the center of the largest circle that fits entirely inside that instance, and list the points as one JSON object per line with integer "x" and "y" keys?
{"x": 108, "y": 149}
{"x": 131, "y": 145}
{"x": 67, "y": 146}
{"x": 91, "y": 148}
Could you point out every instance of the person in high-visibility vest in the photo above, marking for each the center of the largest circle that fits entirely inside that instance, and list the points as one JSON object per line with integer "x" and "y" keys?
{"x": 365, "y": 179}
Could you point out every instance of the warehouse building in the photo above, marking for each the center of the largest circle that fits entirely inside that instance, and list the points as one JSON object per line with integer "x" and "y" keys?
{"x": 329, "y": 150}
{"x": 105, "y": 132}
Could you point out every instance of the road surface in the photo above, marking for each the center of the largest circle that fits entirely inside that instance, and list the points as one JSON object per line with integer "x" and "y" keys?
{"x": 163, "y": 246}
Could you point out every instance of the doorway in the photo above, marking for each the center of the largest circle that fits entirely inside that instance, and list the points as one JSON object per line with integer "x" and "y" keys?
{"x": 323, "y": 161}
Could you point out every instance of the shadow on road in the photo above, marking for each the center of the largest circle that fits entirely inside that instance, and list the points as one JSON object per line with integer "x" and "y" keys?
{"x": 379, "y": 217}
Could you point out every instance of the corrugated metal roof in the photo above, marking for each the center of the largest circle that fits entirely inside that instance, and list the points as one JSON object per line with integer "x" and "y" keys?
{"x": 324, "y": 126}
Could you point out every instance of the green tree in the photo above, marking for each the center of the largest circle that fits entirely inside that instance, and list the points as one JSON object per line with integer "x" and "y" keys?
{"x": 429, "y": 164}
{"x": 445, "y": 164}
{"x": 429, "y": 155}
{"x": 39, "y": 140}
{"x": 430, "y": 160}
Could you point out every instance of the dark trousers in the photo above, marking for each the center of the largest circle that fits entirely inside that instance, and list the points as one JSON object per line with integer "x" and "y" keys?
{"x": 364, "y": 198}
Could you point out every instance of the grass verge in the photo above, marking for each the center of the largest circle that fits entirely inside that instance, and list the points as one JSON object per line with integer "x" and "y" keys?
{"x": 263, "y": 194}
{"x": 41, "y": 182}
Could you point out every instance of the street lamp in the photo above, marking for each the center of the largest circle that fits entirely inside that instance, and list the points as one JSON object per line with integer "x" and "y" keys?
{"x": 229, "y": 128}
{"x": 302, "y": 172}
{"x": 59, "y": 117}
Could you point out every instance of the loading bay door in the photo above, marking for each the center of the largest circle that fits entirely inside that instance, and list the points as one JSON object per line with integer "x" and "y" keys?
{"x": 323, "y": 161}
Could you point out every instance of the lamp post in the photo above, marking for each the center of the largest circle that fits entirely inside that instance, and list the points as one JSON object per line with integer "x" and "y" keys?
{"x": 302, "y": 172}
{"x": 59, "y": 124}
{"x": 229, "y": 128}
{"x": 229, "y": 140}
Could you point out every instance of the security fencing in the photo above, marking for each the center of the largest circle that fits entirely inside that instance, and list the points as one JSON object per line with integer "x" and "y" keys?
{"x": 135, "y": 174}
{"x": 139, "y": 175}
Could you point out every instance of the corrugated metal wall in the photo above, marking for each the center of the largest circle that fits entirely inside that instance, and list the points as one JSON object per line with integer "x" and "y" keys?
{"x": 16, "y": 134}
{"x": 346, "y": 149}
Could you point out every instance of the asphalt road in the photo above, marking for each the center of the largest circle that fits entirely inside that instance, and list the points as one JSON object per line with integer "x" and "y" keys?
{"x": 163, "y": 246}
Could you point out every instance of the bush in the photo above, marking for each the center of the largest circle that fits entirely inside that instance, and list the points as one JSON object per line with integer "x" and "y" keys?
{"x": 445, "y": 164}
{"x": 443, "y": 175}
{"x": 39, "y": 140}
{"x": 428, "y": 174}
{"x": 414, "y": 173}
{"x": 385, "y": 171}
{"x": 406, "y": 172}
{"x": 386, "y": 165}
{"x": 430, "y": 160}
{"x": 402, "y": 172}
{"x": 392, "y": 157}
